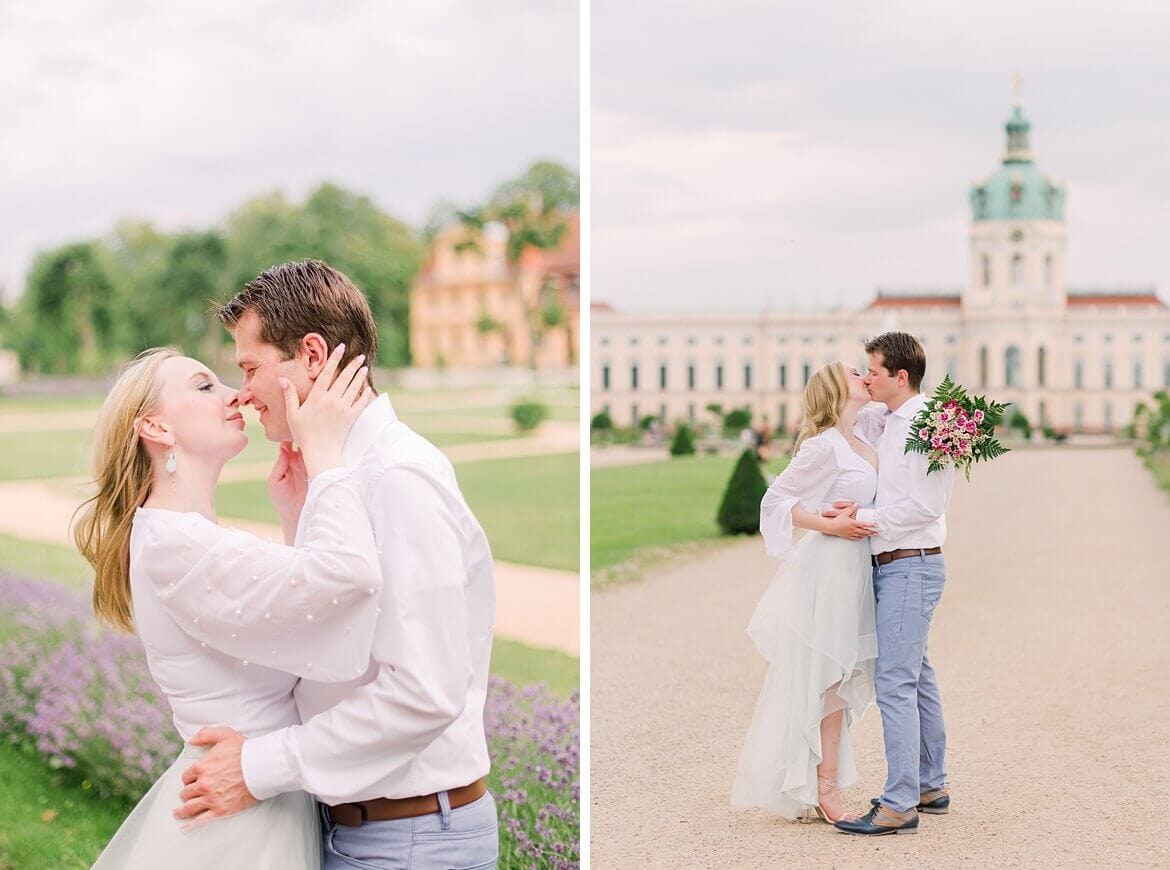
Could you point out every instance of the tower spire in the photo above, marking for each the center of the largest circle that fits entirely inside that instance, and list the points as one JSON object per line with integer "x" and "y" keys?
{"x": 1018, "y": 150}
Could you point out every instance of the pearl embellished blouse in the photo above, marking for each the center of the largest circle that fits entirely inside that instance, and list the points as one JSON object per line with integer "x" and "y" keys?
{"x": 230, "y": 621}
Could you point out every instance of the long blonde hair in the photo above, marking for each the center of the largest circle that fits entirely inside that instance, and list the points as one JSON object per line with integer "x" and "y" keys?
{"x": 824, "y": 401}
{"x": 123, "y": 473}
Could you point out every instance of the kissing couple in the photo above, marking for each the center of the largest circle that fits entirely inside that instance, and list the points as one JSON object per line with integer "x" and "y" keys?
{"x": 329, "y": 690}
{"x": 847, "y": 616}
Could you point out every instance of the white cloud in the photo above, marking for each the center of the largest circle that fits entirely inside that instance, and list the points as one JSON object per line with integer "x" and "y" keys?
{"x": 803, "y": 153}
{"x": 176, "y": 113}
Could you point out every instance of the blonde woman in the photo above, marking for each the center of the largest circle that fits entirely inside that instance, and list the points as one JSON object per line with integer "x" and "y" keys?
{"x": 229, "y": 621}
{"x": 815, "y": 624}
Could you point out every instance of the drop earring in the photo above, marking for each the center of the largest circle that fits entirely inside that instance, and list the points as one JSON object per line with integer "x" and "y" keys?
{"x": 171, "y": 464}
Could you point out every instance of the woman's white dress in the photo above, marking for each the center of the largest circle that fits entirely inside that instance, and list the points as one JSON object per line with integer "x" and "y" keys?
{"x": 815, "y": 626}
{"x": 230, "y": 622}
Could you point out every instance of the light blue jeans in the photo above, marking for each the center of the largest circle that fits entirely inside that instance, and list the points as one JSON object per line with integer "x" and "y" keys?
{"x": 906, "y": 592}
{"x": 466, "y": 838}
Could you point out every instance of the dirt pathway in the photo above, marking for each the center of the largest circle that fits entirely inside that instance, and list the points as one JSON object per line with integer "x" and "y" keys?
{"x": 1052, "y": 645}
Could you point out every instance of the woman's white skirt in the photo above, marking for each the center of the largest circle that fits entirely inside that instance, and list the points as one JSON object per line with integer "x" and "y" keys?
{"x": 815, "y": 626}
{"x": 282, "y": 833}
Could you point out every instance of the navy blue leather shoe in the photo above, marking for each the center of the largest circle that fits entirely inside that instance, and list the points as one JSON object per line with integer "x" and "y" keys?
{"x": 879, "y": 821}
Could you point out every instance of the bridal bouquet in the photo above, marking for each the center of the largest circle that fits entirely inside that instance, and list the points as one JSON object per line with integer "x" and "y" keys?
{"x": 956, "y": 429}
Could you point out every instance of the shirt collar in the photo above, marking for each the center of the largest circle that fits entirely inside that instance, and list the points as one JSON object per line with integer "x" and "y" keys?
{"x": 909, "y": 409}
{"x": 376, "y": 417}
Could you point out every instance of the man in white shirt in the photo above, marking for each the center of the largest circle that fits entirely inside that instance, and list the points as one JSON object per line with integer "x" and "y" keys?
{"x": 908, "y": 578}
{"x": 397, "y": 757}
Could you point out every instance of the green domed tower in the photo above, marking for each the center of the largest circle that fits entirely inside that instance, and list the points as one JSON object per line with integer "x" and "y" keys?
{"x": 1017, "y": 232}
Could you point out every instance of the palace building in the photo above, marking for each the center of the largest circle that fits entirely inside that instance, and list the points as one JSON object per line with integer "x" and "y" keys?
{"x": 1077, "y": 360}
{"x": 471, "y": 309}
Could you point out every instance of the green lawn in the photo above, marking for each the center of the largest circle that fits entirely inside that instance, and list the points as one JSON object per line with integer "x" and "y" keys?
{"x": 46, "y": 818}
{"x": 66, "y": 452}
{"x": 47, "y": 404}
{"x": 44, "y": 561}
{"x": 525, "y": 665}
{"x": 657, "y": 504}
{"x": 528, "y": 506}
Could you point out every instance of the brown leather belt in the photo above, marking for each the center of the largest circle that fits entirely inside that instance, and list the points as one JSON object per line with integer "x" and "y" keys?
{"x": 889, "y": 556}
{"x": 356, "y": 814}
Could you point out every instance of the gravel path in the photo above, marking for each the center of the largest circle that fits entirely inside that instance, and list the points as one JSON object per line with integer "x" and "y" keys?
{"x": 1052, "y": 645}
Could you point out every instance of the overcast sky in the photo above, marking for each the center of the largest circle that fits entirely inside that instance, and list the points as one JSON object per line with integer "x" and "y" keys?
{"x": 176, "y": 113}
{"x": 810, "y": 152}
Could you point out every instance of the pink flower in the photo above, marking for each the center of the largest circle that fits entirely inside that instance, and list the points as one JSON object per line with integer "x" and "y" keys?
{"x": 972, "y": 426}
{"x": 978, "y": 416}
{"x": 923, "y": 433}
{"x": 945, "y": 416}
{"x": 936, "y": 442}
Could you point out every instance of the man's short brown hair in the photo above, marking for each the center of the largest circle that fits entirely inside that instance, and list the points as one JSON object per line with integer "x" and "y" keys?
{"x": 296, "y": 298}
{"x": 900, "y": 350}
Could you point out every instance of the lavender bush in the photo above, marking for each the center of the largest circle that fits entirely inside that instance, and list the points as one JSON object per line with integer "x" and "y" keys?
{"x": 85, "y": 699}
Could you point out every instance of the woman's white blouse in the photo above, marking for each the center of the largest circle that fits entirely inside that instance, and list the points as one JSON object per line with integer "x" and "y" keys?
{"x": 230, "y": 621}
{"x": 825, "y": 469}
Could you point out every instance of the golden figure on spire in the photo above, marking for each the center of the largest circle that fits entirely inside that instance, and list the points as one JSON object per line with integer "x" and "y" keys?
{"x": 1017, "y": 86}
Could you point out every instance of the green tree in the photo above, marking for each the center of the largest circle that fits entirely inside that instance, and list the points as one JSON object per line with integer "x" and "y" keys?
{"x": 381, "y": 254}
{"x": 684, "y": 442}
{"x": 66, "y": 314}
{"x": 739, "y": 512}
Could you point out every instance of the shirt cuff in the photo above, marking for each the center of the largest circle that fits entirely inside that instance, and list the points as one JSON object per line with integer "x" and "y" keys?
{"x": 267, "y": 766}
{"x": 867, "y": 515}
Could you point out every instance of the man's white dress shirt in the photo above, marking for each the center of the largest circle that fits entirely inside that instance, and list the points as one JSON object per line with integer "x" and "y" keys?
{"x": 227, "y": 619}
{"x": 413, "y": 723}
{"x": 910, "y": 505}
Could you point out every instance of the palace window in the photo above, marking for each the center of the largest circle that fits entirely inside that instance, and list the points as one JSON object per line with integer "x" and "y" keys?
{"x": 1137, "y": 374}
{"x": 1079, "y": 374}
{"x": 986, "y": 271}
{"x": 1011, "y": 366}
{"x": 605, "y": 377}
{"x": 1041, "y": 360}
{"x": 633, "y": 341}
{"x": 953, "y": 367}
{"x": 747, "y": 339}
{"x": 807, "y": 373}
{"x": 691, "y": 413}
{"x": 983, "y": 367}
{"x": 662, "y": 377}
{"x": 690, "y": 376}
{"x": 1017, "y": 270}
{"x": 783, "y": 376}
{"x": 1108, "y": 416}
{"x": 747, "y": 376}
{"x": 782, "y": 420}
{"x": 719, "y": 376}
{"x": 1166, "y": 374}
{"x": 605, "y": 341}
{"x": 1078, "y": 417}
{"x": 1108, "y": 377}
{"x": 662, "y": 341}
{"x": 1048, "y": 271}
{"x": 634, "y": 376}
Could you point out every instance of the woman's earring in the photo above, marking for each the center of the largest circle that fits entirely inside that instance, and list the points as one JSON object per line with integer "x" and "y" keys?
{"x": 171, "y": 465}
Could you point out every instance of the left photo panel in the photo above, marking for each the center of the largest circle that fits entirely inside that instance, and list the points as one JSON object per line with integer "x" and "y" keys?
{"x": 289, "y": 440}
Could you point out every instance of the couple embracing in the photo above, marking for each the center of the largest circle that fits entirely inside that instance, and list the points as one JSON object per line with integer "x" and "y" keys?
{"x": 847, "y": 617}
{"x": 329, "y": 689}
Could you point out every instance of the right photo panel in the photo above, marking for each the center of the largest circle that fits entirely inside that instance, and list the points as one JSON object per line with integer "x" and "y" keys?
{"x": 879, "y": 361}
